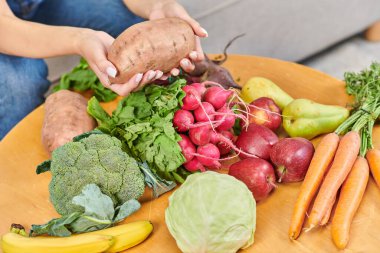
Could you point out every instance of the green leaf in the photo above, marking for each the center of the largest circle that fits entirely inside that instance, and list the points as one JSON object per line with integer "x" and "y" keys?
{"x": 157, "y": 184}
{"x": 126, "y": 209}
{"x": 55, "y": 227}
{"x": 95, "y": 203}
{"x": 96, "y": 111}
{"x": 99, "y": 213}
{"x": 43, "y": 167}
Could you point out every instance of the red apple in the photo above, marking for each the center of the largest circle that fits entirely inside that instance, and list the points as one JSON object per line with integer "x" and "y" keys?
{"x": 265, "y": 112}
{"x": 257, "y": 174}
{"x": 292, "y": 157}
{"x": 257, "y": 140}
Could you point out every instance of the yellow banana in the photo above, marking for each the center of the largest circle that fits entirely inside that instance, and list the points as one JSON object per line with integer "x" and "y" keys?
{"x": 127, "y": 235}
{"x": 82, "y": 243}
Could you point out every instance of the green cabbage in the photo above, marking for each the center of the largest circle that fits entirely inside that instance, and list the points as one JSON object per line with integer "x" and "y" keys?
{"x": 212, "y": 212}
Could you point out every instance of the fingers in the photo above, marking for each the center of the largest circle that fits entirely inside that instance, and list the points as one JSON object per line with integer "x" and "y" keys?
{"x": 126, "y": 88}
{"x": 187, "y": 65}
{"x": 197, "y": 28}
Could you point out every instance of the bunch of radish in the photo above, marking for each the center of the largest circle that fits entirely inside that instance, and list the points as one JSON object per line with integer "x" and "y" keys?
{"x": 205, "y": 123}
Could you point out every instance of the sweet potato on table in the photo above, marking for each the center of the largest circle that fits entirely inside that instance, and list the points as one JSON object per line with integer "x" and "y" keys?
{"x": 152, "y": 45}
{"x": 65, "y": 117}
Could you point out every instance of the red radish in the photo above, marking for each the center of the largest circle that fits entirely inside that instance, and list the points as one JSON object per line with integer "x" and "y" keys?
{"x": 209, "y": 155}
{"x": 203, "y": 111}
{"x": 257, "y": 140}
{"x": 227, "y": 118}
{"x": 257, "y": 174}
{"x": 214, "y": 137}
{"x": 223, "y": 147}
{"x": 200, "y": 87}
{"x": 200, "y": 135}
{"x": 187, "y": 147}
{"x": 190, "y": 101}
{"x": 182, "y": 120}
{"x": 292, "y": 157}
{"x": 217, "y": 96}
{"x": 194, "y": 165}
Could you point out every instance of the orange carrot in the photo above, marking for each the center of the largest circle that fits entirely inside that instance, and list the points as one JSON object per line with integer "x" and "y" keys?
{"x": 344, "y": 159}
{"x": 373, "y": 158}
{"x": 327, "y": 215}
{"x": 350, "y": 197}
{"x": 323, "y": 156}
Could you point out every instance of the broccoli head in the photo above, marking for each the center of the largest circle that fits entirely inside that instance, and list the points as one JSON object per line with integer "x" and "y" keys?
{"x": 97, "y": 159}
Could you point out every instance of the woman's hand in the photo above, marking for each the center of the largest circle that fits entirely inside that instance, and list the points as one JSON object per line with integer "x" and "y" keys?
{"x": 169, "y": 9}
{"x": 93, "y": 46}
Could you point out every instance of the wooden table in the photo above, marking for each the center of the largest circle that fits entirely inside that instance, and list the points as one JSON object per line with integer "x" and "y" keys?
{"x": 24, "y": 196}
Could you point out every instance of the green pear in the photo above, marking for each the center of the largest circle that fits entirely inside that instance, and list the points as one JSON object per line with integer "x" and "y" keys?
{"x": 308, "y": 119}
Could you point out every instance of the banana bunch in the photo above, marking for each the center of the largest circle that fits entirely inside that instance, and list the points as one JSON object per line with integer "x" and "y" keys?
{"x": 114, "y": 239}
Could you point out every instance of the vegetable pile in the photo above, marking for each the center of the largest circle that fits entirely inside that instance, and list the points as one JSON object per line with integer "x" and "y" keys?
{"x": 340, "y": 164}
{"x": 143, "y": 122}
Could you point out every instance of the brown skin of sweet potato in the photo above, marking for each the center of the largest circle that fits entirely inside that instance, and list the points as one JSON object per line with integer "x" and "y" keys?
{"x": 65, "y": 117}
{"x": 151, "y": 45}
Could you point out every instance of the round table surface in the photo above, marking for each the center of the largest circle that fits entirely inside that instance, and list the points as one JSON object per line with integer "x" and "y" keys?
{"x": 24, "y": 196}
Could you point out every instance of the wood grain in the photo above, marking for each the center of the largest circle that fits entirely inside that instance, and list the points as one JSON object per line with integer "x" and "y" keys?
{"x": 24, "y": 196}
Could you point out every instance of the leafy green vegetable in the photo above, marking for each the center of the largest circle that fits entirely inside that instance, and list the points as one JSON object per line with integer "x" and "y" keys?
{"x": 99, "y": 213}
{"x": 82, "y": 78}
{"x": 97, "y": 159}
{"x": 143, "y": 122}
{"x": 211, "y": 212}
{"x": 365, "y": 87}
{"x": 158, "y": 185}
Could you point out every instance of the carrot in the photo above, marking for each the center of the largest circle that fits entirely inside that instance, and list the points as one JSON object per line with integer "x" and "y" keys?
{"x": 322, "y": 158}
{"x": 327, "y": 215}
{"x": 373, "y": 158}
{"x": 350, "y": 197}
{"x": 345, "y": 157}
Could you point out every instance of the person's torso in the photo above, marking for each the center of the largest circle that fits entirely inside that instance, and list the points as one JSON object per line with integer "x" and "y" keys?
{"x": 24, "y": 8}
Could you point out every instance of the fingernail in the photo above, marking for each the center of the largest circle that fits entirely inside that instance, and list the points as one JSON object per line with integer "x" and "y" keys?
{"x": 111, "y": 72}
{"x": 159, "y": 74}
{"x": 175, "y": 72}
{"x": 204, "y": 31}
{"x": 186, "y": 62}
{"x": 139, "y": 76}
{"x": 151, "y": 75}
{"x": 193, "y": 54}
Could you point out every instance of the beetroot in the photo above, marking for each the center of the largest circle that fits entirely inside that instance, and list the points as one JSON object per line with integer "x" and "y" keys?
{"x": 227, "y": 117}
{"x": 200, "y": 135}
{"x": 209, "y": 155}
{"x": 190, "y": 101}
{"x": 187, "y": 147}
{"x": 200, "y": 87}
{"x": 257, "y": 140}
{"x": 217, "y": 96}
{"x": 257, "y": 174}
{"x": 292, "y": 157}
{"x": 182, "y": 120}
{"x": 194, "y": 165}
{"x": 203, "y": 111}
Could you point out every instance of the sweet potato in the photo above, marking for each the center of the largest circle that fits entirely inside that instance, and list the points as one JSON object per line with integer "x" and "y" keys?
{"x": 65, "y": 117}
{"x": 152, "y": 45}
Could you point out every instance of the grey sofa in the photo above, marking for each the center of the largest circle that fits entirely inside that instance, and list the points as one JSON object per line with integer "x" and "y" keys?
{"x": 285, "y": 29}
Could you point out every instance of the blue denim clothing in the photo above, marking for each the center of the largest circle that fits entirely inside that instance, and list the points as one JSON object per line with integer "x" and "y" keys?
{"x": 23, "y": 81}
